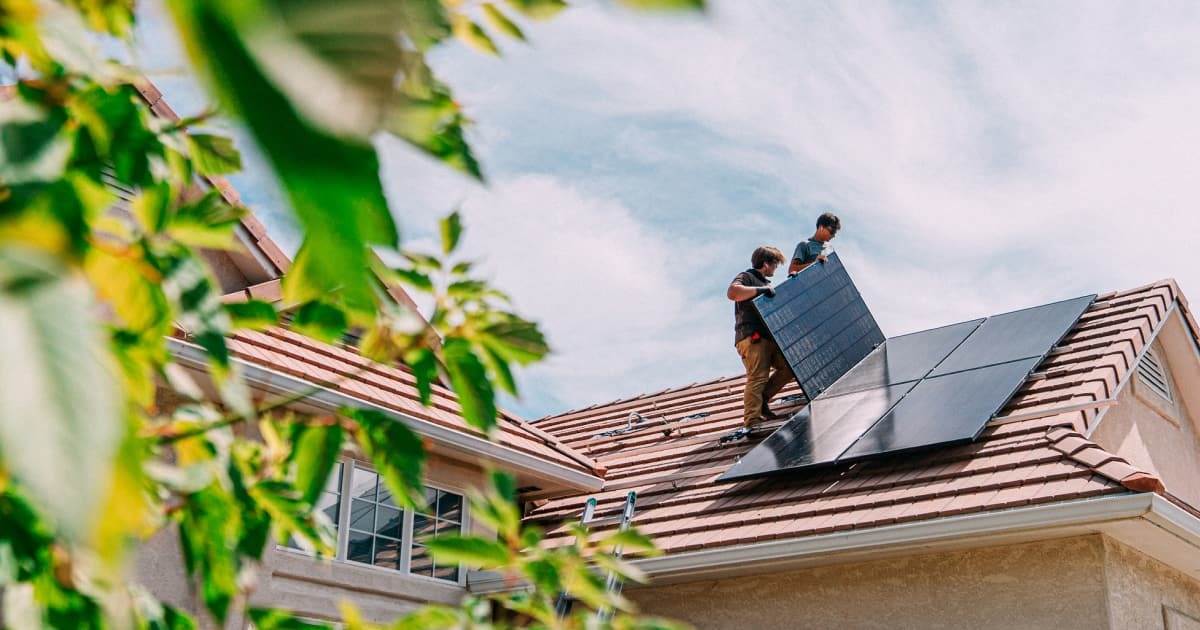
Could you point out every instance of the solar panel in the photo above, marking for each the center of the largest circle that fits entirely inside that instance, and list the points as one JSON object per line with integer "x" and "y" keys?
{"x": 1020, "y": 334}
{"x": 916, "y": 391}
{"x": 820, "y": 323}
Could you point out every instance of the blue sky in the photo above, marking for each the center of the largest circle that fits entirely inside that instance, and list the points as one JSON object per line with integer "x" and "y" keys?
{"x": 983, "y": 157}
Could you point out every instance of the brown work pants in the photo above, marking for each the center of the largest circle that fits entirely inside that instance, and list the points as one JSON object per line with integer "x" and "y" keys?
{"x": 761, "y": 384}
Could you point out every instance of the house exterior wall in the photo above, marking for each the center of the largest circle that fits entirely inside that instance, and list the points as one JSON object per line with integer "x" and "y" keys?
{"x": 1058, "y": 584}
{"x": 294, "y": 581}
{"x": 1155, "y": 435}
{"x": 1144, "y": 593}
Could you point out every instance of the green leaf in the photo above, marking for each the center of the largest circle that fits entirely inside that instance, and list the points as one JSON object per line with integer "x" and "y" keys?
{"x": 207, "y": 223}
{"x": 538, "y": 9}
{"x": 432, "y": 122}
{"x": 451, "y": 231}
{"x": 515, "y": 339}
{"x": 469, "y": 380}
{"x": 331, "y": 180}
{"x": 214, "y": 155}
{"x": 208, "y": 530}
{"x": 60, "y": 416}
{"x": 253, "y": 314}
{"x": 473, "y": 551}
{"x": 315, "y": 449}
{"x": 290, "y": 517}
{"x": 473, "y": 35}
{"x": 414, "y": 278}
{"x": 395, "y": 451}
{"x": 321, "y": 321}
{"x": 500, "y": 22}
{"x": 34, "y": 142}
{"x": 631, "y": 540}
{"x": 431, "y": 616}
{"x": 423, "y": 364}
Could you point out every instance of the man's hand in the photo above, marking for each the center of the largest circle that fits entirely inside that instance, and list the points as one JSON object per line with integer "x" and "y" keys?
{"x": 821, "y": 258}
{"x": 767, "y": 291}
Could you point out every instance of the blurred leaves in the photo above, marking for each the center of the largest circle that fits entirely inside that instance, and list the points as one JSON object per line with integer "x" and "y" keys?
{"x": 60, "y": 408}
{"x": 107, "y": 226}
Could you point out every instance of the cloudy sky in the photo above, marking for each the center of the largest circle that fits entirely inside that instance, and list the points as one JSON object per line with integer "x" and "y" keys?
{"x": 983, "y": 157}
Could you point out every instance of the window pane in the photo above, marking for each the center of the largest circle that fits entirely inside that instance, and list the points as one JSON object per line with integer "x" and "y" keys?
{"x": 328, "y": 503}
{"x": 359, "y": 548}
{"x": 446, "y": 573}
{"x": 363, "y": 484}
{"x": 389, "y": 521}
{"x": 431, "y": 495}
{"x": 421, "y": 563}
{"x": 446, "y": 528}
{"x": 387, "y": 553}
{"x": 334, "y": 483}
{"x": 449, "y": 506}
{"x": 385, "y": 495}
{"x": 362, "y": 515}
{"x": 423, "y": 526}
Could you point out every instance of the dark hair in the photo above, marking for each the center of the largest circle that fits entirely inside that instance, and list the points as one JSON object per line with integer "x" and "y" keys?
{"x": 830, "y": 221}
{"x": 764, "y": 255}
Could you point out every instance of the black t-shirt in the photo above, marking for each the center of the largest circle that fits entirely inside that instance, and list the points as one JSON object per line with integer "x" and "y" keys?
{"x": 746, "y": 321}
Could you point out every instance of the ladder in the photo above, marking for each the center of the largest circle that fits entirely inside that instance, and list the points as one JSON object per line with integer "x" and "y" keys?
{"x": 612, "y": 583}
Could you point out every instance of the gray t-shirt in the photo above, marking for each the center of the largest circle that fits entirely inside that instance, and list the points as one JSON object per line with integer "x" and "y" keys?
{"x": 807, "y": 251}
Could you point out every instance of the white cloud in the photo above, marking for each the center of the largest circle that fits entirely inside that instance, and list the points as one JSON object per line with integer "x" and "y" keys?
{"x": 602, "y": 283}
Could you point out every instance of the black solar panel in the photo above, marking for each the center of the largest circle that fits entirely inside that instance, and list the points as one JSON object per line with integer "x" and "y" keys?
{"x": 925, "y": 389}
{"x": 821, "y": 324}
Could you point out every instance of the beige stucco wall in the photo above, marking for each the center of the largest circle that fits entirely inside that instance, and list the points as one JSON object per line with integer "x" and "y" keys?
{"x": 1154, "y": 434}
{"x": 1144, "y": 593}
{"x": 1056, "y": 584}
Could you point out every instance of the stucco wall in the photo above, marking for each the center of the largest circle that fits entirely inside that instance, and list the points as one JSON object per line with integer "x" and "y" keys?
{"x": 1056, "y": 584}
{"x": 1144, "y": 593}
{"x": 1155, "y": 435}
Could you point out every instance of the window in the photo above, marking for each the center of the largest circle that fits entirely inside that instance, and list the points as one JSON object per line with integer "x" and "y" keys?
{"x": 442, "y": 517}
{"x": 1152, "y": 373}
{"x": 373, "y": 529}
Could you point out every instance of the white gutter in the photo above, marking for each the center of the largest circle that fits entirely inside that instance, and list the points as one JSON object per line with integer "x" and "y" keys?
{"x": 896, "y": 537}
{"x": 465, "y": 445}
{"x": 971, "y": 530}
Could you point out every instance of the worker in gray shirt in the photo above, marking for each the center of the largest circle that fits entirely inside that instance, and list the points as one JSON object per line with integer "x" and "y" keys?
{"x": 812, "y": 250}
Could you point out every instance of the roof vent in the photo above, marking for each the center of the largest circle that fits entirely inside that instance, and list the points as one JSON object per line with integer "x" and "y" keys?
{"x": 1153, "y": 374}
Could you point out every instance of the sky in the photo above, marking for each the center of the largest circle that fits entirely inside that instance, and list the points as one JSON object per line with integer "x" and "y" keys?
{"x": 983, "y": 157}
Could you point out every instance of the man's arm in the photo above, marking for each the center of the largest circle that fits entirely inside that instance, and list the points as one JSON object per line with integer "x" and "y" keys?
{"x": 739, "y": 292}
{"x": 796, "y": 266}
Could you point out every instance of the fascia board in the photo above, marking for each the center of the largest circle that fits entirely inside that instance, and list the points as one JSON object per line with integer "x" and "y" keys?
{"x": 1056, "y": 520}
{"x": 451, "y": 441}
{"x": 1000, "y": 527}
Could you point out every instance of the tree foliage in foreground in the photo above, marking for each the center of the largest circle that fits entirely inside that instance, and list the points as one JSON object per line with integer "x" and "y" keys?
{"x": 91, "y": 286}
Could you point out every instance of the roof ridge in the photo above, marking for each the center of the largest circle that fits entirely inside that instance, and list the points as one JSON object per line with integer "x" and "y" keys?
{"x": 1103, "y": 462}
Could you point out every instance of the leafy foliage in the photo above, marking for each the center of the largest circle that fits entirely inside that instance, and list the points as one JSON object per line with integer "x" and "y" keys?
{"x": 106, "y": 223}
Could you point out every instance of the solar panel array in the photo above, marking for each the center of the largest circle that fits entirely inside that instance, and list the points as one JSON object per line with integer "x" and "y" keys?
{"x": 821, "y": 324}
{"x": 931, "y": 388}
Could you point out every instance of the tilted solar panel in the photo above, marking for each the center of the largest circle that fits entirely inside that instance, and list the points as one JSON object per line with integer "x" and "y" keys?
{"x": 821, "y": 324}
{"x": 916, "y": 391}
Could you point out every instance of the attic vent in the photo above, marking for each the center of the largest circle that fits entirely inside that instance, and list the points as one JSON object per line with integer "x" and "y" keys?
{"x": 1154, "y": 375}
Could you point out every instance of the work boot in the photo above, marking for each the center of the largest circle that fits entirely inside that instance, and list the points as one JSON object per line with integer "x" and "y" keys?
{"x": 767, "y": 414}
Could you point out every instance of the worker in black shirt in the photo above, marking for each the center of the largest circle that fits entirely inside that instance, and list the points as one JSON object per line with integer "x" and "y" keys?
{"x": 759, "y": 353}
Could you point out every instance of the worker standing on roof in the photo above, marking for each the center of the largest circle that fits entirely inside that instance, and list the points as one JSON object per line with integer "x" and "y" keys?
{"x": 813, "y": 250}
{"x": 759, "y": 353}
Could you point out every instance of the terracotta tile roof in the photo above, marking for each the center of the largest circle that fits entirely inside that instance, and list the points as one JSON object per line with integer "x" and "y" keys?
{"x": 674, "y": 461}
{"x": 344, "y": 370}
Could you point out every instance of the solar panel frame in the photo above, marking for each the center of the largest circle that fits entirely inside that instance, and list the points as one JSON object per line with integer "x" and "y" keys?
{"x": 820, "y": 323}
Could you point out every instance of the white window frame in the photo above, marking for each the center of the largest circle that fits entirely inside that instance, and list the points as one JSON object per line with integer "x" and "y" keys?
{"x": 345, "y": 501}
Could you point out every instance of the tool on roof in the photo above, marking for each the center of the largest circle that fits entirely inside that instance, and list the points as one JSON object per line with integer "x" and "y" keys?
{"x": 628, "y": 425}
{"x": 612, "y": 583}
